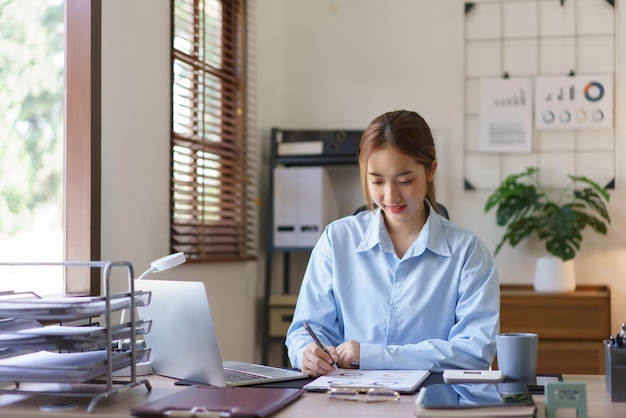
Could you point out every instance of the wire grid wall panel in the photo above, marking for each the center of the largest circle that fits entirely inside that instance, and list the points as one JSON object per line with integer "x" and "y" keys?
{"x": 527, "y": 39}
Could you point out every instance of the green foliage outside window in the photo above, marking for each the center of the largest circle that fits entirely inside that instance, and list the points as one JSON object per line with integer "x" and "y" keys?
{"x": 31, "y": 109}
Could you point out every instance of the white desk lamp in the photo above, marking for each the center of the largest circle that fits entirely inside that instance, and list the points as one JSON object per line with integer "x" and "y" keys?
{"x": 162, "y": 264}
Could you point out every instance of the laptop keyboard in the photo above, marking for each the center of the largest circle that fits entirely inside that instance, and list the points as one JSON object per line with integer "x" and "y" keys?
{"x": 233, "y": 376}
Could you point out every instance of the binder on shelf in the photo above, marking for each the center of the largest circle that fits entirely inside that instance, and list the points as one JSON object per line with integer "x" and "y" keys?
{"x": 327, "y": 143}
{"x": 285, "y": 215}
{"x": 301, "y": 148}
{"x": 304, "y": 203}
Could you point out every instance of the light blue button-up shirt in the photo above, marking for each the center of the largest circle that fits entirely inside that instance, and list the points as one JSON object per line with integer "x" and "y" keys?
{"x": 436, "y": 308}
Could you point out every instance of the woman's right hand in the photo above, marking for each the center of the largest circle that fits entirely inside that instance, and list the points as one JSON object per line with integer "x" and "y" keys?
{"x": 316, "y": 362}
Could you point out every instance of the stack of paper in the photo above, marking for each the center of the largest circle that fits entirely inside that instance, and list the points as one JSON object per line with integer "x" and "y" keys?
{"x": 60, "y": 309}
{"x": 56, "y": 337}
{"x": 48, "y": 367}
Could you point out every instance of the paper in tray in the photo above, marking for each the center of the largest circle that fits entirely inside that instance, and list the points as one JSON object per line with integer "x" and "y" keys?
{"x": 68, "y": 308}
{"x": 68, "y": 338}
{"x": 49, "y": 367}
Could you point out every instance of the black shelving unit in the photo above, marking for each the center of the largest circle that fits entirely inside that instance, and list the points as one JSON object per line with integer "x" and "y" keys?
{"x": 339, "y": 147}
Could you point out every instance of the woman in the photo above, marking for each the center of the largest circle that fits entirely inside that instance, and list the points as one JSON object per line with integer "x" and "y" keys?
{"x": 397, "y": 286}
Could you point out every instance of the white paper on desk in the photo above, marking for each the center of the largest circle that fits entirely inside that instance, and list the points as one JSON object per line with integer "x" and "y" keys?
{"x": 403, "y": 381}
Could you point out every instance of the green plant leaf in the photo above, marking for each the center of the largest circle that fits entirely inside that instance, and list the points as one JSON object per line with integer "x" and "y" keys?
{"x": 507, "y": 188}
{"x": 593, "y": 184}
{"x": 597, "y": 225}
{"x": 525, "y": 209}
{"x": 594, "y": 201}
{"x": 561, "y": 249}
{"x": 517, "y": 231}
{"x": 561, "y": 233}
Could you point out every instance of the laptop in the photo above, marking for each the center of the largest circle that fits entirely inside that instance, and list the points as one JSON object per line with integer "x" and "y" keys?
{"x": 183, "y": 342}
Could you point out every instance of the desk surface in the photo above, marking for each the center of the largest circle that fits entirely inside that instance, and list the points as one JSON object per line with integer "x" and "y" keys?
{"x": 311, "y": 405}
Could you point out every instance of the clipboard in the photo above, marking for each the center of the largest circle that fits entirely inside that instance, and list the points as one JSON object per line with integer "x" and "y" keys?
{"x": 212, "y": 401}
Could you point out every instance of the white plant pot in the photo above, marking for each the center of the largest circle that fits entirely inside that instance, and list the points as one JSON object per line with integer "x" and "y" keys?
{"x": 552, "y": 274}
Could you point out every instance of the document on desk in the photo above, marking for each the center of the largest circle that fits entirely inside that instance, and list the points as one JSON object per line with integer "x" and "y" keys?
{"x": 403, "y": 381}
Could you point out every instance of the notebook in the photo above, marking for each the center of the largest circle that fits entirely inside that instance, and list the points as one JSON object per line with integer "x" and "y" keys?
{"x": 183, "y": 342}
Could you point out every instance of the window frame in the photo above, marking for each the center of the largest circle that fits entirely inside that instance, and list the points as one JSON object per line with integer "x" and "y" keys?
{"x": 222, "y": 229}
{"x": 82, "y": 171}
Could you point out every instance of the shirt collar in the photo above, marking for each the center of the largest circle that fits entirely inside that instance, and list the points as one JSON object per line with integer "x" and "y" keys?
{"x": 431, "y": 236}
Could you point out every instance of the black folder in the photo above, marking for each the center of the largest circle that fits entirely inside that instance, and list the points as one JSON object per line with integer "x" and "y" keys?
{"x": 230, "y": 401}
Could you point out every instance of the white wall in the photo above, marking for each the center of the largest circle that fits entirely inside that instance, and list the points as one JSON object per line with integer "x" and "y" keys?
{"x": 324, "y": 65}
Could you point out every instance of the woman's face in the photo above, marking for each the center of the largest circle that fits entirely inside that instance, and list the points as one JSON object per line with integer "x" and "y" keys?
{"x": 398, "y": 184}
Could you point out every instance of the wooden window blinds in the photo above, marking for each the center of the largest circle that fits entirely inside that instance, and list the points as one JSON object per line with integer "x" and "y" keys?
{"x": 211, "y": 211}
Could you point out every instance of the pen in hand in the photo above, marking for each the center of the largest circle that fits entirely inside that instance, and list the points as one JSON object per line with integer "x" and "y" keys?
{"x": 317, "y": 341}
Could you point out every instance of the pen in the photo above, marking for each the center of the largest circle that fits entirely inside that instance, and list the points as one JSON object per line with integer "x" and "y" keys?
{"x": 317, "y": 341}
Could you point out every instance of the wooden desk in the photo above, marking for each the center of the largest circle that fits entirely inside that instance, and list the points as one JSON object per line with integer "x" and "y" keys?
{"x": 311, "y": 405}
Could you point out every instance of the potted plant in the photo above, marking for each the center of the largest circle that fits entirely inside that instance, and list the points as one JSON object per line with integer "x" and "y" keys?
{"x": 524, "y": 207}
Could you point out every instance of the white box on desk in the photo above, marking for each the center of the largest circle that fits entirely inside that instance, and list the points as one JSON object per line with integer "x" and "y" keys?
{"x": 304, "y": 203}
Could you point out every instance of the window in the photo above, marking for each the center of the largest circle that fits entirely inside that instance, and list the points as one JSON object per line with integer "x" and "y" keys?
{"x": 68, "y": 29}
{"x": 31, "y": 143}
{"x": 212, "y": 213}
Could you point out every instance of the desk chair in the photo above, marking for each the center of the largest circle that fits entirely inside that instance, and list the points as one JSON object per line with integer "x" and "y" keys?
{"x": 443, "y": 211}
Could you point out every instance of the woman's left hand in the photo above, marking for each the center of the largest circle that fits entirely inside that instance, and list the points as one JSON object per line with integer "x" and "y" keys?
{"x": 349, "y": 354}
